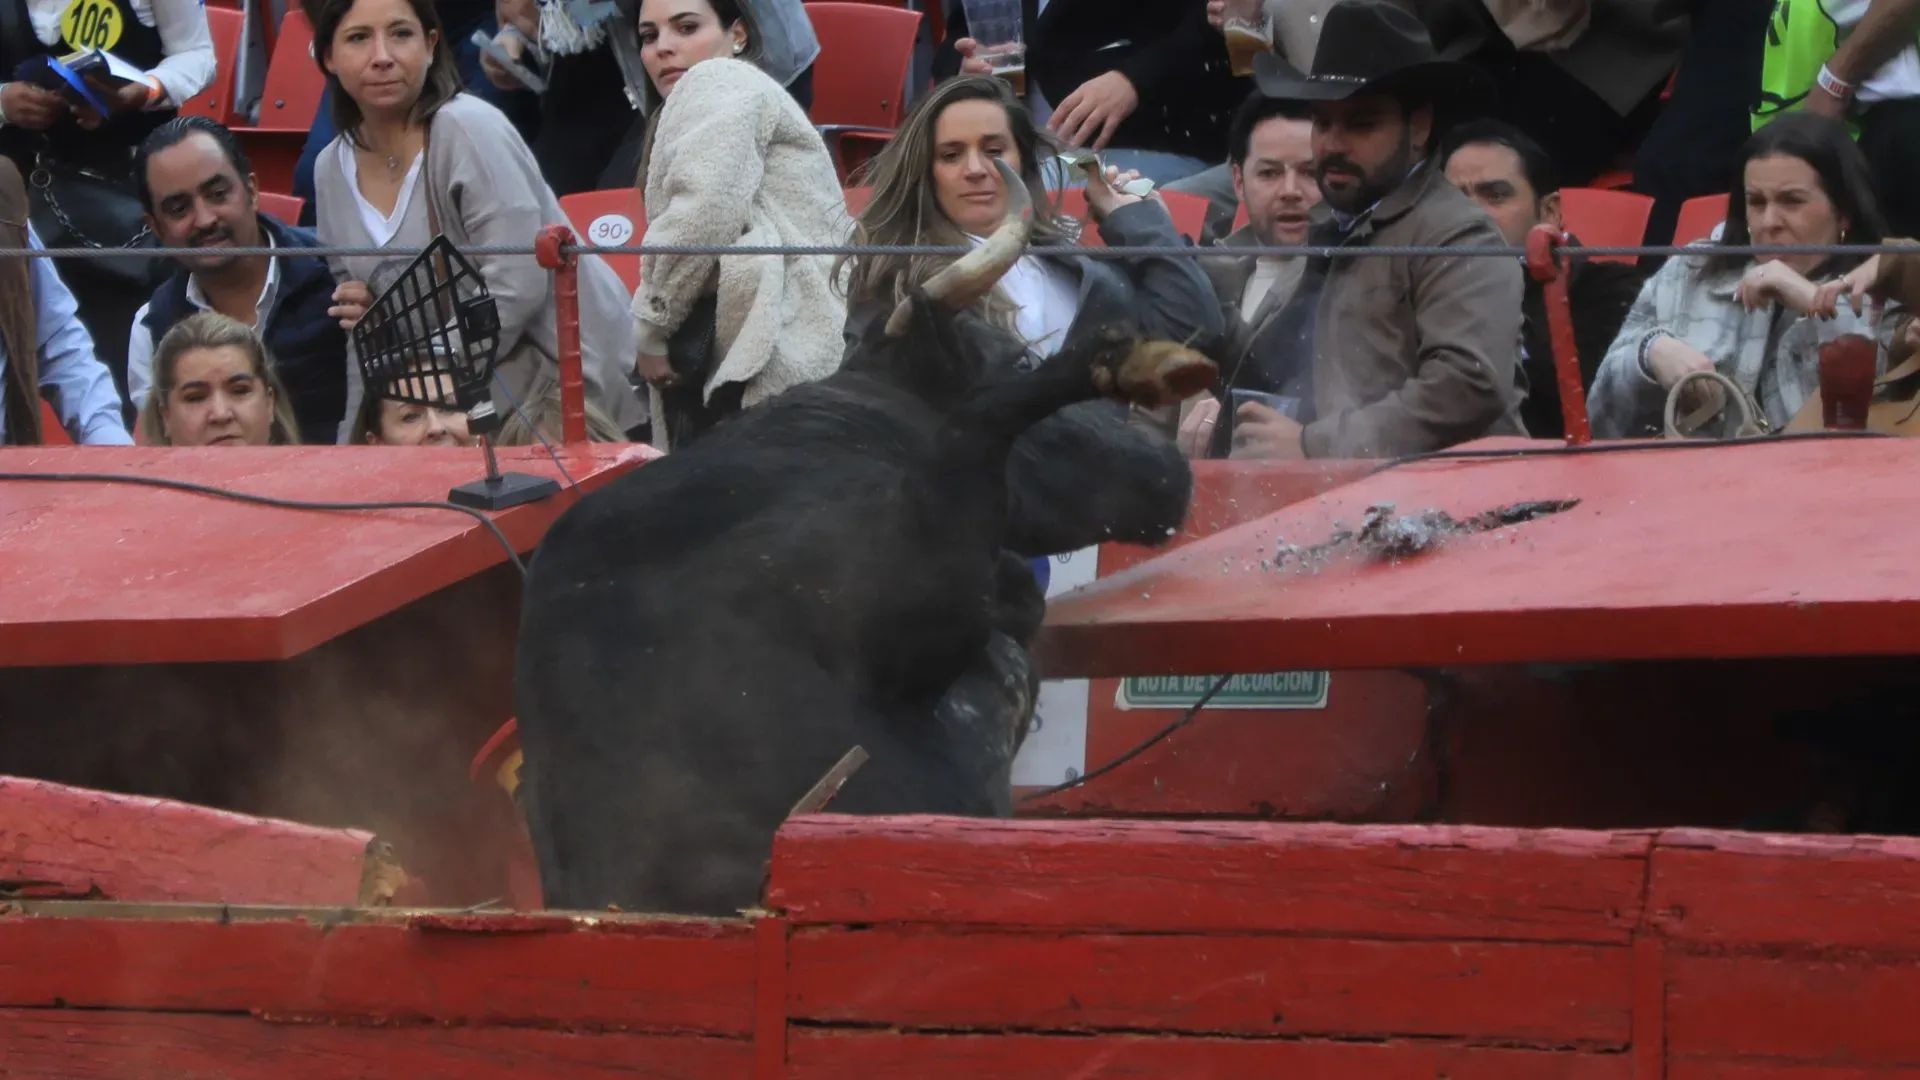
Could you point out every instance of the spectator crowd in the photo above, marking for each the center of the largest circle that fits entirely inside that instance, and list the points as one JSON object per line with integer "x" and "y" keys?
{"x": 1440, "y": 126}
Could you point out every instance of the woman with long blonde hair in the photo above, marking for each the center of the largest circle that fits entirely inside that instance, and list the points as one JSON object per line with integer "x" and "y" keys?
{"x": 214, "y": 385}
{"x": 936, "y": 184}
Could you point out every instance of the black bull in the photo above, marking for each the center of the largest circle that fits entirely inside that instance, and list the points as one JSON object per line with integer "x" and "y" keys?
{"x": 704, "y": 638}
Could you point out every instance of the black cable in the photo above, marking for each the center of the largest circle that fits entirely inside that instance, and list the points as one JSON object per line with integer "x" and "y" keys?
{"x": 1186, "y": 718}
{"x": 528, "y": 420}
{"x": 266, "y": 500}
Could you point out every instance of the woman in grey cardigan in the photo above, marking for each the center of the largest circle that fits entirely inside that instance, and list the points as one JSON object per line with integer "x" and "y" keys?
{"x": 417, "y": 157}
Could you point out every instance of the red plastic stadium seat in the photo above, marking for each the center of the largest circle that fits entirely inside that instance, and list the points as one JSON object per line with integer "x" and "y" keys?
{"x": 1699, "y": 217}
{"x": 859, "y": 81}
{"x": 1606, "y": 218}
{"x": 613, "y": 218}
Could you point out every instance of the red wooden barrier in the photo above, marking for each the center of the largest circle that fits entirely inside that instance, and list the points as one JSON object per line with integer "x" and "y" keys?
{"x": 65, "y": 841}
{"x": 935, "y": 948}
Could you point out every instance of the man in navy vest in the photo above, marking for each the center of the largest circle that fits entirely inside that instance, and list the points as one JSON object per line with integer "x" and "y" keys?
{"x": 199, "y": 193}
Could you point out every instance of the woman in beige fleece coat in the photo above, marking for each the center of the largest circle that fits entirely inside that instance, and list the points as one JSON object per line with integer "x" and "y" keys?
{"x": 730, "y": 159}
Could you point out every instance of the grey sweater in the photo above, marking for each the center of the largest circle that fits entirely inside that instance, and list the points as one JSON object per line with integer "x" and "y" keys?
{"x": 487, "y": 191}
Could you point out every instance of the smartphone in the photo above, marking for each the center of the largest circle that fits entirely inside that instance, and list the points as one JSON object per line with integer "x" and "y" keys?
{"x": 518, "y": 70}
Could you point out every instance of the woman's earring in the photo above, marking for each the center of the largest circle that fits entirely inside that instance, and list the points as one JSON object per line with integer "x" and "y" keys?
{"x": 737, "y": 49}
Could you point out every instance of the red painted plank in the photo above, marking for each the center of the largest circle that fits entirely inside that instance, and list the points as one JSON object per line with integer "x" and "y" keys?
{"x": 657, "y": 975}
{"x": 1691, "y": 1069}
{"x": 1827, "y": 1011}
{"x": 65, "y": 841}
{"x": 1144, "y": 876}
{"x": 1555, "y": 589}
{"x": 1728, "y": 888}
{"x": 817, "y": 1055}
{"x": 98, "y": 573}
{"x": 63, "y": 1044}
{"x": 1649, "y": 1007}
{"x": 1548, "y": 995}
{"x": 770, "y": 998}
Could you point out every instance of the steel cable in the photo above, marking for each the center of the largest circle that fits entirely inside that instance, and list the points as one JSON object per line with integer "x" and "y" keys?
{"x": 1149, "y": 252}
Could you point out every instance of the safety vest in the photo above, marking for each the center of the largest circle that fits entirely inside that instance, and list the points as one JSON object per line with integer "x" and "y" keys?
{"x": 1801, "y": 36}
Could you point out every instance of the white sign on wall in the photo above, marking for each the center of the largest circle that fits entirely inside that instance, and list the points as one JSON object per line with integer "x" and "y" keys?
{"x": 1056, "y": 746}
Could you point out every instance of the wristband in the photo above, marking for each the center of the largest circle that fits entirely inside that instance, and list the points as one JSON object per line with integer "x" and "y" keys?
{"x": 1646, "y": 348}
{"x": 1834, "y": 84}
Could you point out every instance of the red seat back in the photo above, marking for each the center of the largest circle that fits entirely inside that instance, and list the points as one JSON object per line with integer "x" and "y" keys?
{"x": 291, "y": 95}
{"x": 1606, "y": 218}
{"x": 51, "y": 431}
{"x": 1698, "y": 217}
{"x": 857, "y": 199}
{"x": 612, "y": 218}
{"x": 216, "y": 101}
{"x": 866, "y": 51}
{"x": 287, "y": 208}
{"x": 1189, "y": 213}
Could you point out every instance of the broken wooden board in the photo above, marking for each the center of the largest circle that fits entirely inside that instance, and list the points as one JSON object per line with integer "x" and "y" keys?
{"x": 59, "y": 841}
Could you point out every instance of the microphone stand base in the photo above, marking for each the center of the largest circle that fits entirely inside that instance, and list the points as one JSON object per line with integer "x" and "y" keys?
{"x": 502, "y": 491}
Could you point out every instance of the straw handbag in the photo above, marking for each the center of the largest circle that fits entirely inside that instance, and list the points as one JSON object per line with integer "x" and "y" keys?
{"x": 1751, "y": 421}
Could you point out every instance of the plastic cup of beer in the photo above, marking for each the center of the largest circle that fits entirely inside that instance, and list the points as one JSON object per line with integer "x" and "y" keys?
{"x": 1847, "y": 374}
{"x": 1248, "y": 32}
{"x": 995, "y": 24}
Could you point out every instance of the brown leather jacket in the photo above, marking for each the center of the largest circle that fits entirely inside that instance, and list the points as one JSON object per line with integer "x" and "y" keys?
{"x": 1412, "y": 354}
{"x": 20, "y": 387}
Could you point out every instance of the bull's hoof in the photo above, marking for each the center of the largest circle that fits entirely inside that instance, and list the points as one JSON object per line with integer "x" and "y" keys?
{"x": 1157, "y": 373}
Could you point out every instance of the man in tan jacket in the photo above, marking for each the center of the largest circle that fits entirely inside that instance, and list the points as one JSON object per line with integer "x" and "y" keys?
{"x": 1405, "y": 354}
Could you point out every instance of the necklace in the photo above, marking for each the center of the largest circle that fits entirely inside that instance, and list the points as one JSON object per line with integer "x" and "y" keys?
{"x": 393, "y": 167}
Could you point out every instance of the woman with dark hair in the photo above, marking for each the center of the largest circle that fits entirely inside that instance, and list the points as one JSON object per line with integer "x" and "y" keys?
{"x": 936, "y": 184}
{"x": 729, "y": 159}
{"x": 416, "y": 157}
{"x": 1755, "y": 319}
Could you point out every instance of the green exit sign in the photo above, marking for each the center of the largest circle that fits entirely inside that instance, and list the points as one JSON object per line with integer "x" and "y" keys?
{"x": 1274, "y": 690}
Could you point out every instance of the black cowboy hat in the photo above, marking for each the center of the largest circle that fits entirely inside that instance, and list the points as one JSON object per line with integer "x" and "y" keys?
{"x": 1376, "y": 46}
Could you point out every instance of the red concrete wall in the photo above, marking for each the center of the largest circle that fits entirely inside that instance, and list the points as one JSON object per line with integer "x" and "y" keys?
{"x": 936, "y": 948}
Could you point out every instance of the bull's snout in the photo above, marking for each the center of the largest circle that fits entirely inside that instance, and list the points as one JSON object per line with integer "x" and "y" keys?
{"x": 1155, "y": 374}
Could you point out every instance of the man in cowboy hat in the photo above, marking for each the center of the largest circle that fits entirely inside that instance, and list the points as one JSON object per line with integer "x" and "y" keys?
{"x": 1405, "y": 353}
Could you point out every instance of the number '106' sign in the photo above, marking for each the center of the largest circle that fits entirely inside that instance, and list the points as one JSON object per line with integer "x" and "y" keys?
{"x": 91, "y": 24}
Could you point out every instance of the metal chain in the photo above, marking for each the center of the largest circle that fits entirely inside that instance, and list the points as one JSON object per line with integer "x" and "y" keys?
{"x": 42, "y": 178}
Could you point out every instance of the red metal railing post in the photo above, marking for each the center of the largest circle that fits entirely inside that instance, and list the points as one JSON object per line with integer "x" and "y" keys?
{"x": 566, "y": 300}
{"x": 1547, "y": 263}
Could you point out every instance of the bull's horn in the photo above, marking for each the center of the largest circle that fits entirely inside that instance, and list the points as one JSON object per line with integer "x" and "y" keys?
{"x": 974, "y": 274}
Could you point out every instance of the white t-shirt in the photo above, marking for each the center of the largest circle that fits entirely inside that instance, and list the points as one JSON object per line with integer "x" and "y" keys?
{"x": 1898, "y": 78}
{"x": 1266, "y": 272}
{"x": 381, "y": 227}
{"x": 1046, "y": 298}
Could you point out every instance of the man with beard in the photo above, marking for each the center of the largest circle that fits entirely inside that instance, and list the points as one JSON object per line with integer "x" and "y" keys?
{"x": 1397, "y": 354}
{"x": 199, "y": 193}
